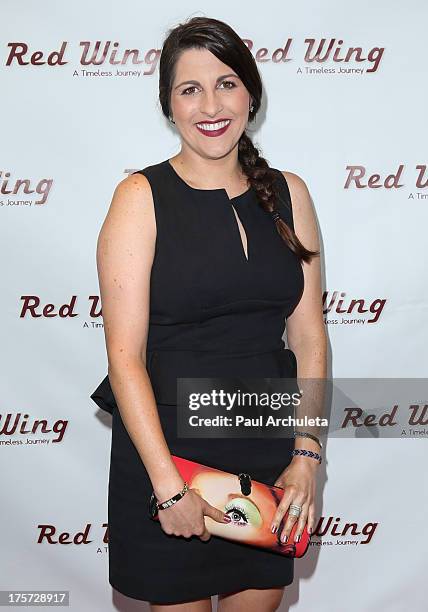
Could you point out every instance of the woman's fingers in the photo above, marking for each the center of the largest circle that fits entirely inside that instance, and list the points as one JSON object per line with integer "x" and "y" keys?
{"x": 186, "y": 519}
{"x": 311, "y": 518}
{"x": 301, "y": 522}
{"x": 292, "y": 520}
{"x": 292, "y": 496}
{"x": 205, "y": 536}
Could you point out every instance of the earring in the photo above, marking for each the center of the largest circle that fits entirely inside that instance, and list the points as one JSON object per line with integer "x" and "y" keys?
{"x": 251, "y": 108}
{"x": 171, "y": 119}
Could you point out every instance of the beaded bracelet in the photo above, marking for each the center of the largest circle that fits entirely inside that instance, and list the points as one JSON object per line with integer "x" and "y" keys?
{"x": 306, "y": 453}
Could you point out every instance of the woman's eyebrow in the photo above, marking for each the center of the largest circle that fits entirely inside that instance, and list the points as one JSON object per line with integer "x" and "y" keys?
{"x": 220, "y": 78}
{"x": 232, "y": 496}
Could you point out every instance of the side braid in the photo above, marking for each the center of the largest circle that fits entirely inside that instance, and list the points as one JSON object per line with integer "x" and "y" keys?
{"x": 262, "y": 178}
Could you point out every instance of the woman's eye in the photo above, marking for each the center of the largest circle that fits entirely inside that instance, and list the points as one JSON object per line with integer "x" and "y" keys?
{"x": 230, "y": 83}
{"x": 188, "y": 91}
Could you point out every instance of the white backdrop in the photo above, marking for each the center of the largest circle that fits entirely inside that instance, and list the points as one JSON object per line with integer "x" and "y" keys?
{"x": 72, "y": 137}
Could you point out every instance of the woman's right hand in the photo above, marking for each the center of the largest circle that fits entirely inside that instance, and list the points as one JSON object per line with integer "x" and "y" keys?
{"x": 186, "y": 517}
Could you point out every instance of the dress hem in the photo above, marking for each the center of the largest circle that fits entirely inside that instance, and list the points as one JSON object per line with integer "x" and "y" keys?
{"x": 228, "y": 588}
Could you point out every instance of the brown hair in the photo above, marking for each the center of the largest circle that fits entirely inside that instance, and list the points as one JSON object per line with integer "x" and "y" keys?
{"x": 223, "y": 42}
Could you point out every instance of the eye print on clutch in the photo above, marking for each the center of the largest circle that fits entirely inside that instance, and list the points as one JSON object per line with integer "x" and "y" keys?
{"x": 250, "y": 504}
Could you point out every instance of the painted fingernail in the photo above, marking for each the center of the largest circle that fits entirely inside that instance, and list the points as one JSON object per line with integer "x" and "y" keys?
{"x": 226, "y": 518}
{"x": 284, "y": 537}
{"x": 274, "y": 528}
{"x": 310, "y": 530}
{"x": 297, "y": 538}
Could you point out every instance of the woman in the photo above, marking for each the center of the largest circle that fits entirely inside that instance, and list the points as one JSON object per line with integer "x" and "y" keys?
{"x": 199, "y": 268}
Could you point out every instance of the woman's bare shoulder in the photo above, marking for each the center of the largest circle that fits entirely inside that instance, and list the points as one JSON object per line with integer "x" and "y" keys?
{"x": 132, "y": 202}
{"x": 304, "y": 214}
{"x": 131, "y": 191}
{"x": 296, "y": 184}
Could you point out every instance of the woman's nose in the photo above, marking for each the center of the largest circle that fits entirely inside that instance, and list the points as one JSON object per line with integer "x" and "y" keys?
{"x": 210, "y": 105}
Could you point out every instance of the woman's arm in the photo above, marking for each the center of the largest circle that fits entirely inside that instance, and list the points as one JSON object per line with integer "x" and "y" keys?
{"x": 306, "y": 334}
{"x": 125, "y": 252}
{"x": 307, "y": 338}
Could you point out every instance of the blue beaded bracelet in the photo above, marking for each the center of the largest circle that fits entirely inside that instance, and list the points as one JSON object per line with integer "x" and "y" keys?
{"x": 306, "y": 453}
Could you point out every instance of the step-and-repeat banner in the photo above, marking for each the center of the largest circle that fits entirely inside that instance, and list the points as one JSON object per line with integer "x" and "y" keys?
{"x": 345, "y": 108}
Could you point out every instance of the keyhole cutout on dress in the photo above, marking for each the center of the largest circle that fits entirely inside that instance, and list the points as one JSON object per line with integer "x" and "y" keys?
{"x": 242, "y": 233}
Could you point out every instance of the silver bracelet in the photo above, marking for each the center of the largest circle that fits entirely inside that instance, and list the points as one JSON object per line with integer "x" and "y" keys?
{"x": 172, "y": 500}
{"x": 308, "y": 435}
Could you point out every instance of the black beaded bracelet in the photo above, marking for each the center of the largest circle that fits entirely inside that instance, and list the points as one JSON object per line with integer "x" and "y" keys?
{"x": 306, "y": 453}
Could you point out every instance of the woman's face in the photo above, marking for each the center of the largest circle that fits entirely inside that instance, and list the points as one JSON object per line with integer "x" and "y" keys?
{"x": 205, "y": 89}
{"x": 223, "y": 491}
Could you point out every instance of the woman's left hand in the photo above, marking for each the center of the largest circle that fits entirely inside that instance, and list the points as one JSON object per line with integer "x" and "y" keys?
{"x": 299, "y": 481}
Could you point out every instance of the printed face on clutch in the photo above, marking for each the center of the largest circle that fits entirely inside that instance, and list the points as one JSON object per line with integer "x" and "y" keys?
{"x": 251, "y": 514}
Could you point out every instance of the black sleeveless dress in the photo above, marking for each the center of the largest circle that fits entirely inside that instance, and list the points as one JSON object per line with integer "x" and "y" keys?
{"x": 213, "y": 312}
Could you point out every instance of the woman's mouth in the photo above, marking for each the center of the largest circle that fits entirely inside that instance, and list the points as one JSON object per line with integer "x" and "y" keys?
{"x": 213, "y": 129}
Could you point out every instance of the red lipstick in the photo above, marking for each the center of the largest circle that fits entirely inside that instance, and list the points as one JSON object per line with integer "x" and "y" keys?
{"x": 211, "y": 132}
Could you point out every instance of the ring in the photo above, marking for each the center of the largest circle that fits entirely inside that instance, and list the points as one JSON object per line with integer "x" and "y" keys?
{"x": 295, "y": 510}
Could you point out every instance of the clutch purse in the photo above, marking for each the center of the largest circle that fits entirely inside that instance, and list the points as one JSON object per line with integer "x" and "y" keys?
{"x": 250, "y": 504}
